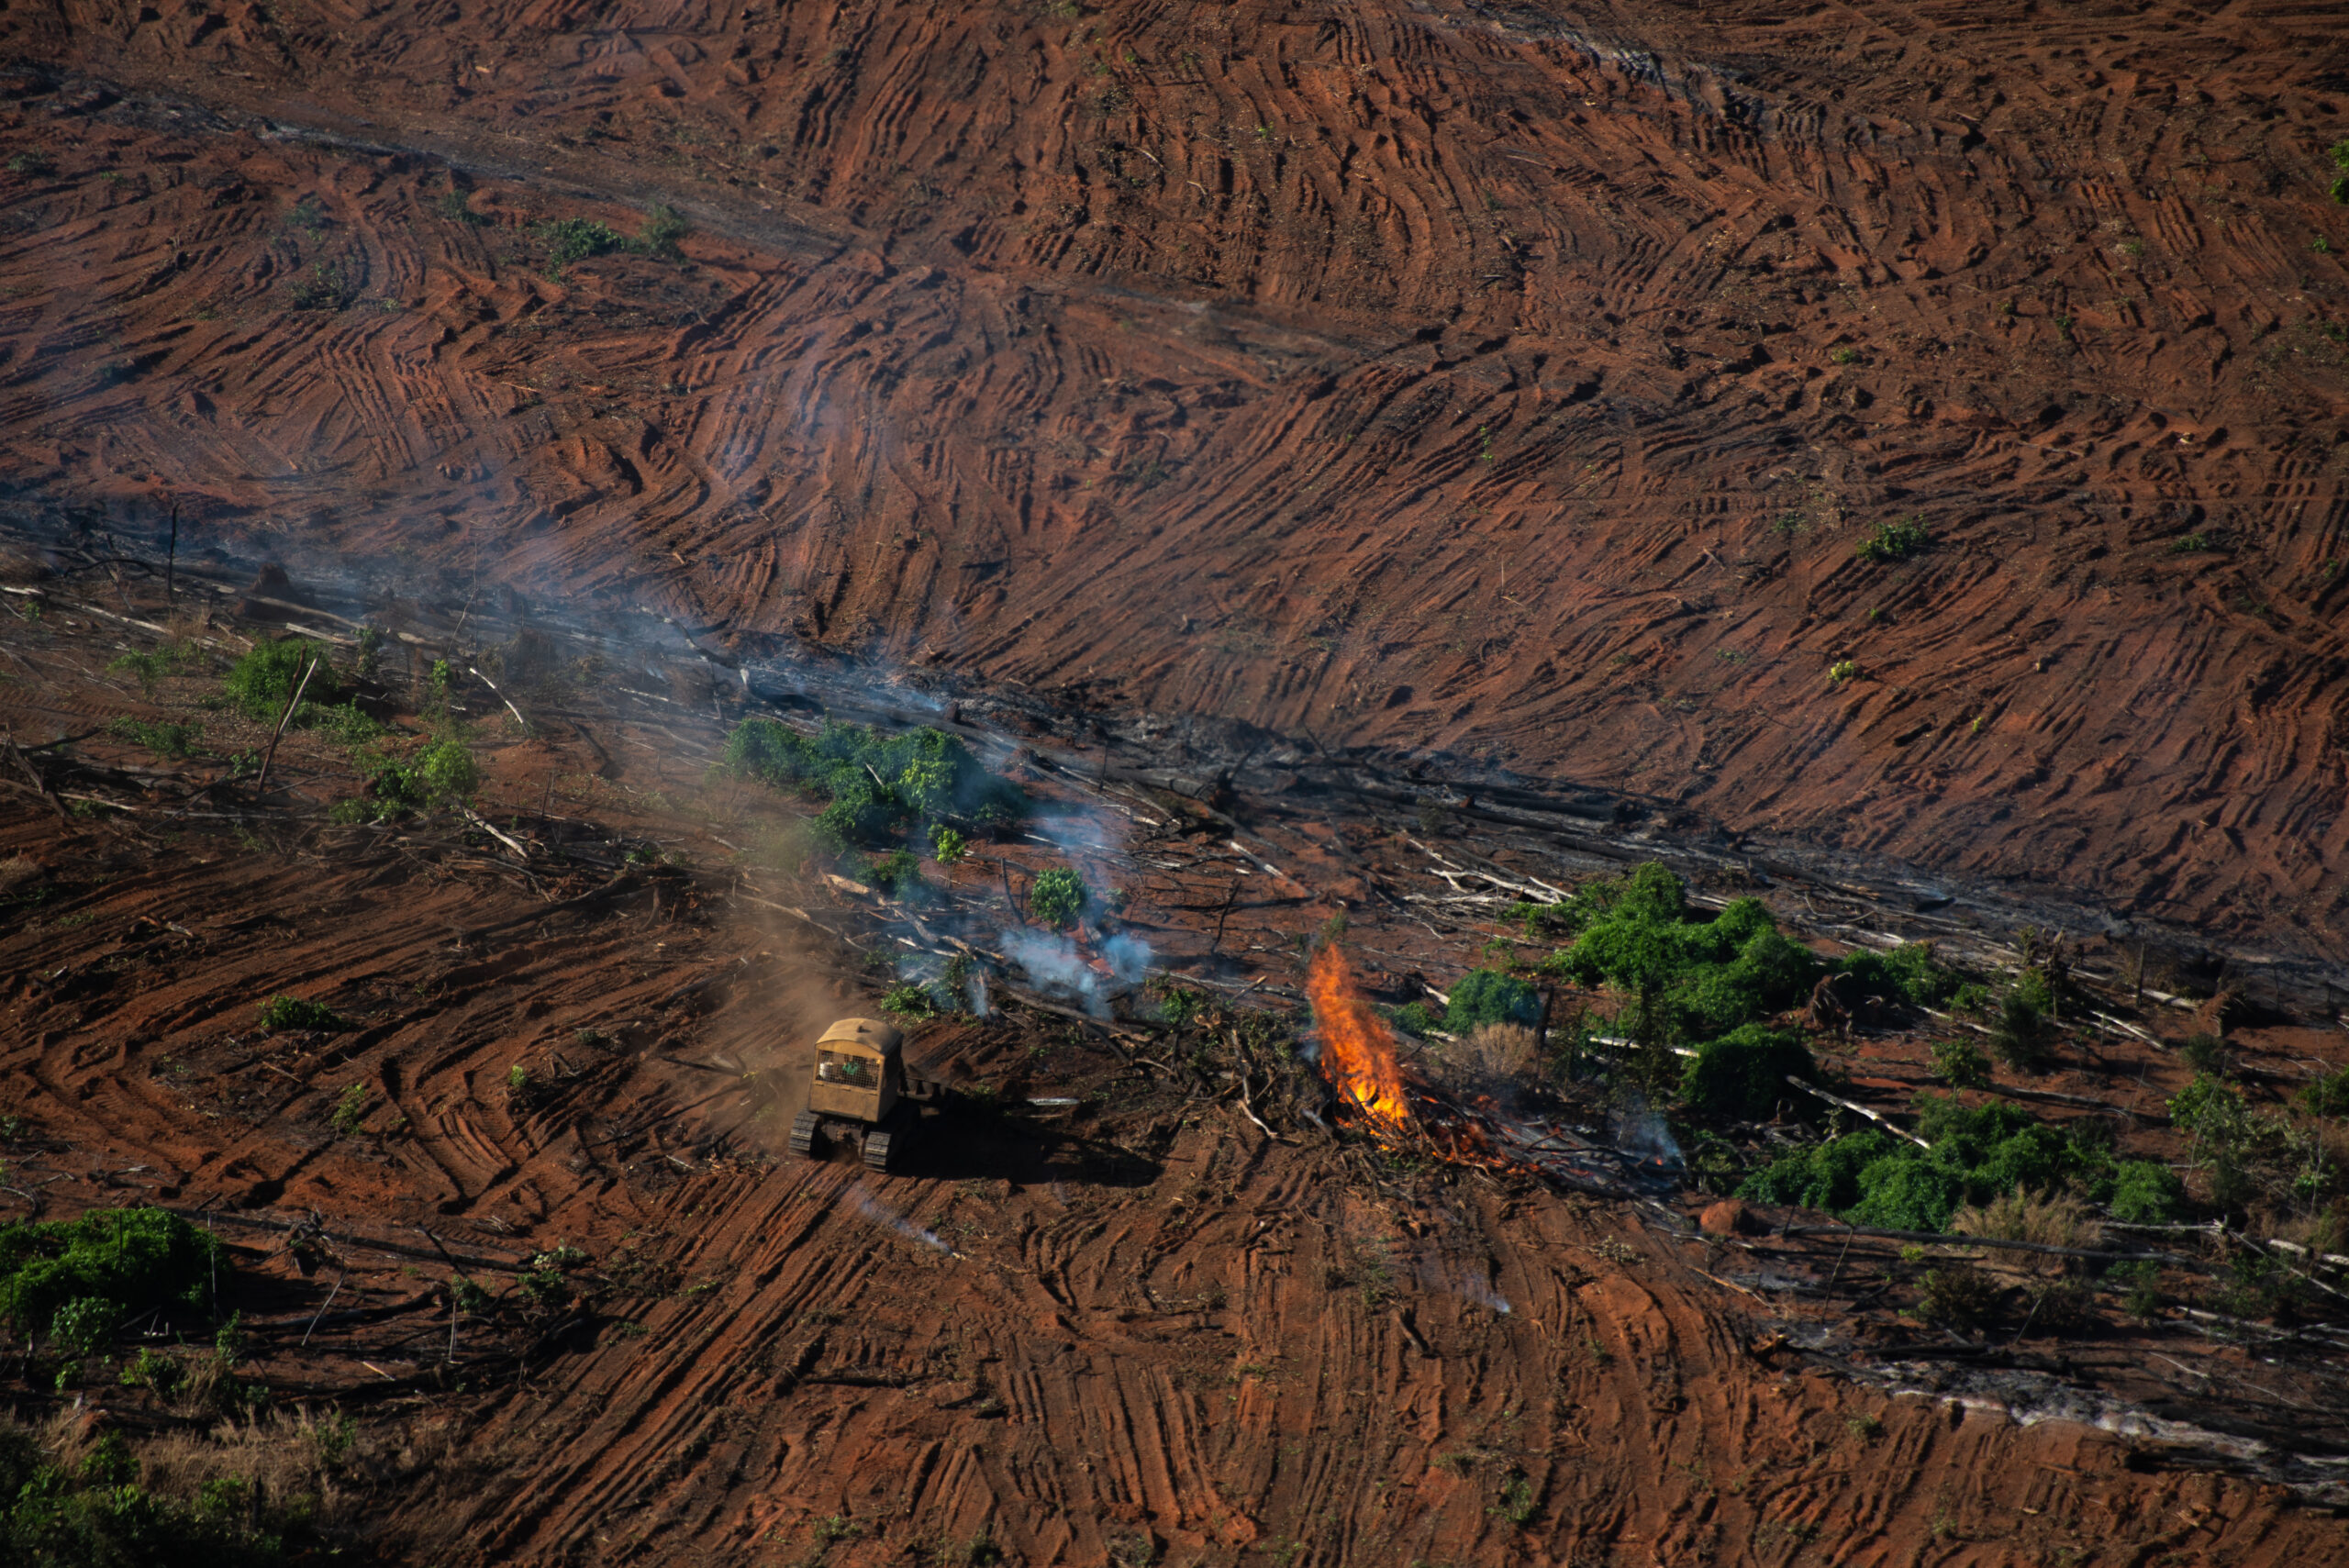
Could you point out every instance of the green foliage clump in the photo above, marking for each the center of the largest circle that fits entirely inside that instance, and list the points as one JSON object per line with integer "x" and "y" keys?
{"x": 898, "y": 873}
{"x": 1892, "y": 542}
{"x": 287, "y": 1012}
{"x": 2146, "y": 1191}
{"x": 108, "y": 1266}
{"x": 1978, "y": 1154}
{"x": 572, "y": 239}
{"x": 1489, "y": 996}
{"x": 1911, "y": 973}
{"x": 444, "y": 771}
{"x": 1696, "y": 978}
{"x": 55, "y": 1516}
{"x": 351, "y": 1110}
{"x": 873, "y": 782}
{"x": 2210, "y": 1111}
{"x": 150, "y": 667}
{"x": 1744, "y": 1073}
{"x": 1413, "y": 1017}
{"x": 662, "y": 229}
{"x": 163, "y": 740}
{"x": 2329, "y": 1095}
{"x": 1058, "y": 897}
{"x": 1961, "y": 1065}
{"x": 2019, "y": 1037}
{"x": 949, "y": 846}
{"x": 910, "y": 1002}
{"x": 263, "y": 682}
{"x": 2339, "y": 153}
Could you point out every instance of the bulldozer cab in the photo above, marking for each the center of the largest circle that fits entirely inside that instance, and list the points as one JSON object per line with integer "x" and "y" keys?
{"x": 859, "y": 1071}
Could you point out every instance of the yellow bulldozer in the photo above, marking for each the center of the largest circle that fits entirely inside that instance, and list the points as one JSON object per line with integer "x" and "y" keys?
{"x": 860, "y": 1091}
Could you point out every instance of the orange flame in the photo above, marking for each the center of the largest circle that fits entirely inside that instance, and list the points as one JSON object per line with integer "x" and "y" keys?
{"x": 1357, "y": 1048}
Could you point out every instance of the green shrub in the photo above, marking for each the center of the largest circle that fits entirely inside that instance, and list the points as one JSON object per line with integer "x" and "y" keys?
{"x": 288, "y": 1012}
{"x": 1744, "y": 1072}
{"x": 1910, "y": 972}
{"x": 130, "y": 1260}
{"x": 1697, "y": 978}
{"x": 351, "y": 1110}
{"x": 898, "y": 873}
{"x": 163, "y": 740}
{"x": 1960, "y": 1066}
{"x": 2339, "y": 153}
{"x": 1489, "y": 996}
{"x": 661, "y": 231}
{"x": 343, "y": 723}
{"x": 2329, "y": 1095}
{"x": 263, "y": 682}
{"x": 912, "y": 1002}
{"x": 1957, "y": 1295}
{"x": 1058, "y": 897}
{"x": 2210, "y": 1111}
{"x": 947, "y": 845}
{"x": 444, "y": 771}
{"x": 1894, "y": 542}
{"x": 2020, "y": 1038}
{"x": 2146, "y": 1193}
{"x": 572, "y": 239}
{"x": 1414, "y": 1018}
{"x": 1977, "y": 1154}
{"x": 875, "y": 783}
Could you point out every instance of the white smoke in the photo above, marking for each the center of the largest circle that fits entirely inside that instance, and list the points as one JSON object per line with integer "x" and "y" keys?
{"x": 871, "y": 1209}
{"x": 1054, "y": 966}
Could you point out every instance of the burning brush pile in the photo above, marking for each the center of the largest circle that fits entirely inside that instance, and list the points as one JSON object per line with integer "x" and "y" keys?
{"x": 1361, "y": 1059}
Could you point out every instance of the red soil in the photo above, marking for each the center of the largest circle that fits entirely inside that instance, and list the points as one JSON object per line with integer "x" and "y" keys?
{"x": 1141, "y": 1330}
{"x": 1430, "y": 376}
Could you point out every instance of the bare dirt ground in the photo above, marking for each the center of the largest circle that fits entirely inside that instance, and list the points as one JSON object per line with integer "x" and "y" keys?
{"x": 1470, "y": 390}
{"x": 1504, "y": 383}
{"x": 1145, "y": 1326}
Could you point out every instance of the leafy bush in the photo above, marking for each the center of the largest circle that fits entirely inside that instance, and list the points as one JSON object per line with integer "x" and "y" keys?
{"x": 129, "y": 1261}
{"x": 572, "y": 239}
{"x": 898, "y": 873}
{"x": 343, "y": 723}
{"x": 2019, "y": 1037}
{"x": 2210, "y": 1111}
{"x": 949, "y": 846}
{"x": 2147, "y": 1193}
{"x": 351, "y": 1110}
{"x": 1911, "y": 973}
{"x": 1744, "y": 1072}
{"x": 444, "y": 771}
{"x": 1957, "y": 1063}
{"x": 263, "y": 682}
{"x": 1977, "y": 1155}
{"x": 1413, "y": 1017}
{"x": 1057, "y": 898}
{"x": 1489, "y": 996}
{"x": 912, "y": 1002}
{"x": 661, "y": 231}
{"x": 1957, "y": 1295}
{"x": 1894, "y": 542}
{"x": 1697, "y": 978}
{"x": 163, "y": 740}
{"x": 287, "y": 1012}
{"x": 2329, "y": 1095}
{"x": 2339, "y": 153}
{"x": 875, "y": 783}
